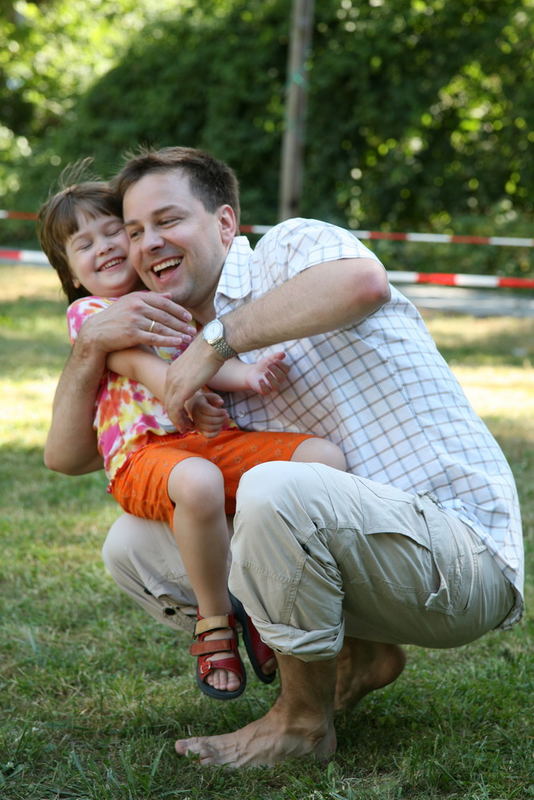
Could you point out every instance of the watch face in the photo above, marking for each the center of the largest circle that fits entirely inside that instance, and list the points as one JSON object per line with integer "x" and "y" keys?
{"x": 213, "y": 331}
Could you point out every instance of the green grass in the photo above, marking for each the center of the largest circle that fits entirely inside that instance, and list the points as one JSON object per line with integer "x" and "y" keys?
{"x": 93, "y": 693}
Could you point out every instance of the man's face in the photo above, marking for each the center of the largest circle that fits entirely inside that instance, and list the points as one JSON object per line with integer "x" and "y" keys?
{"x": 176, "y": 245}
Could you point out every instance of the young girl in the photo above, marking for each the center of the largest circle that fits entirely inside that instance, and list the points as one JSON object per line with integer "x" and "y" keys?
{"x": 189, "y": 480}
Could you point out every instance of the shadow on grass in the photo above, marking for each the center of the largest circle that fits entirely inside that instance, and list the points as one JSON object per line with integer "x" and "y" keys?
{"x": 28, "y": 485}
{"x": 485, "y": 342}
{"x": 429, "y": 738}
{"x": 33, "y": 336}
{"x": 15, "y": 313}
{"x": 30, "y": 358}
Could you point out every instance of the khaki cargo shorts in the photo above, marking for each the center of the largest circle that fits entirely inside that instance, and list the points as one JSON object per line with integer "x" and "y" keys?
{"x": 318, "y": 554}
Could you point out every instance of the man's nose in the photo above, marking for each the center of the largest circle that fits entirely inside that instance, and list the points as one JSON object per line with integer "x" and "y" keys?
{"x": 152, "y": 240}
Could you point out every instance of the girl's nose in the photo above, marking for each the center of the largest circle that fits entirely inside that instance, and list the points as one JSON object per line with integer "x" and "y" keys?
{"x": 104, "y": 245}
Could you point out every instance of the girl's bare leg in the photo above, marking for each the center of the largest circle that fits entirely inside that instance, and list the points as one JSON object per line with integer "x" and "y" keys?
{"x": 196, "y": 487}
{"x": 320, "y": 451}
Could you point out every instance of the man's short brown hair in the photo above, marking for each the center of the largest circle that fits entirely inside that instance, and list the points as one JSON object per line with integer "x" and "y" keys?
{"x": 212, "y": 182}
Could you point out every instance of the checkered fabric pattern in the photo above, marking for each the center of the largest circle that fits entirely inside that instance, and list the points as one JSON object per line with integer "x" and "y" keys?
{"x": 379, "y": 389}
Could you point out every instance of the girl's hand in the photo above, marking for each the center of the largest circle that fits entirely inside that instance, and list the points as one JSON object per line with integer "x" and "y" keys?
{"x": 207, "y": 413}
{"x": 267, "y": 374}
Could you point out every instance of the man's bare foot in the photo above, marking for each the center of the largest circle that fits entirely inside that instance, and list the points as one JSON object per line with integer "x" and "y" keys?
{"x": 265, "y": 742}
{"x": 364, "y": 666}
{"x": 269, "y": 668}
{"x": 299, "y": 724}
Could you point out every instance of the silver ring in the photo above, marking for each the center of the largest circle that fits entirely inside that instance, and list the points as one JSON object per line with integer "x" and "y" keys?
{"x": 152, "y": 326}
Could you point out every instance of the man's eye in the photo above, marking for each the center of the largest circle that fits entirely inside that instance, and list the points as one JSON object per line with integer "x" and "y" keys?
{"x": 132, "y": 235}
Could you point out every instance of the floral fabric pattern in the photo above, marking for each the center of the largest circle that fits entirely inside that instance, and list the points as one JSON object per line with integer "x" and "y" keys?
{"x": 125, "y": 411}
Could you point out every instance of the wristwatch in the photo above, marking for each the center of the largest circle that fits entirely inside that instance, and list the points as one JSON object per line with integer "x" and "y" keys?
{"x": 213, "y": 333}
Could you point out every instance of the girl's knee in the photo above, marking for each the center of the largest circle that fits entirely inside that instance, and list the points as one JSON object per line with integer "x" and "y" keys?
{"x": 320, "y": 451}
{"x": 197, "y": 485}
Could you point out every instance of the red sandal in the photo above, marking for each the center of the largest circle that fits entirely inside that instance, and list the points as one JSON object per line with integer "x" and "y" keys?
{"x": 202, "y": 649}
{"x": 258, "y": 652}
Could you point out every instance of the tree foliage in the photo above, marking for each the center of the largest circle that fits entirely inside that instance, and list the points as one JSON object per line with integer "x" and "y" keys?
{"x": 419, "y": 110}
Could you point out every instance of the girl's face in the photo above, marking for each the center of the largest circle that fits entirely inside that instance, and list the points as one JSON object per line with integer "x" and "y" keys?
{"x": 97, "y": 254}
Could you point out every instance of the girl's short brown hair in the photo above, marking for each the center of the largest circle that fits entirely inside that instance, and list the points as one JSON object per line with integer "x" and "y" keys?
{"x": 58, "y": 220}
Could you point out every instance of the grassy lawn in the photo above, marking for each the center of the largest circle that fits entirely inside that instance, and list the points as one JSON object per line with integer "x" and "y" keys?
{"x": 93, "y": 694}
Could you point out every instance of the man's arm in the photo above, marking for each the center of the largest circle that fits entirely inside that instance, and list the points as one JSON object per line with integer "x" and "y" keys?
{"x": 71, "y": 443}
{"x": 319, "y": 299}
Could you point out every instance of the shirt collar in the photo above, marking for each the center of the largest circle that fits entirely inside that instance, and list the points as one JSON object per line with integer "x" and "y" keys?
{"x": 235, "y": 282}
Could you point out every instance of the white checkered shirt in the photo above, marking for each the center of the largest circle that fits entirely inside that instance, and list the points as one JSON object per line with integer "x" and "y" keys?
{"x": 379, "y": 389}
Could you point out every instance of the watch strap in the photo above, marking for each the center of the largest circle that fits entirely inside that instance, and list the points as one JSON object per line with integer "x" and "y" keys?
{"x": 222, "y": 347}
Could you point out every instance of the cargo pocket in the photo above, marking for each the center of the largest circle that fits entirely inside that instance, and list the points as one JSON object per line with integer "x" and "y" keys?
{"x": 391, "y": 556}
{"x": 453, "y": 554}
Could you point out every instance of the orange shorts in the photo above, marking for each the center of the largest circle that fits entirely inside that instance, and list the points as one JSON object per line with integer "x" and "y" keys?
{"x": 140, "y": 485}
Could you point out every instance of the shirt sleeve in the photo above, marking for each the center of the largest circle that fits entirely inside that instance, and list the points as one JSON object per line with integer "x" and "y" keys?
{"x": 303, "y": 243}
{"x": 80, "y": 310}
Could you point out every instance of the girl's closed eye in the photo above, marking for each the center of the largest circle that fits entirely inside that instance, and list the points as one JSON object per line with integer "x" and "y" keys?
{"x": 115, "y": 230}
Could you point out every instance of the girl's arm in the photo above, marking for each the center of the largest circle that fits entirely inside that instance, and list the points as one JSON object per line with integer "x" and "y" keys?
{"x": 205, "y": 410}
{"x": 141, "y": 366}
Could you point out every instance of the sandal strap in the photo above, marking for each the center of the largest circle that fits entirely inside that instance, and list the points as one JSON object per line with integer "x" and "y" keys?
{"x": 206, "y": 624}
{"x": 212, "y": 646}
{"x": 232, "y": 664}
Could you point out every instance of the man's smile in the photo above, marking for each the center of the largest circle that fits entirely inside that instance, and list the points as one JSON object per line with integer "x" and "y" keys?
{"x": 168, "y": 263}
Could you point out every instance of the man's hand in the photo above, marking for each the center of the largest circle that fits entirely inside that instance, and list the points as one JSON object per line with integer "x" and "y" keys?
{"x": 186, "y": 376}
{"x": 267, "y": 374}
{"x": 207, "y": 413}
{"x": 139, "y": 318}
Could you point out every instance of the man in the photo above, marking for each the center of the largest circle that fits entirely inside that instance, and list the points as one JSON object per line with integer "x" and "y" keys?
{"x": 421, "y": 544}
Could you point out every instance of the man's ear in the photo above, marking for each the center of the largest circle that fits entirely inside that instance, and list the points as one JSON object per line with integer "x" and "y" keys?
{"x": 227, "y": 224}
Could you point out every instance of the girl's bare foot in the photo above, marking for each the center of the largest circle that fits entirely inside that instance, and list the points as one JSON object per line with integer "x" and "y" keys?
{"x": 222, "y": 679}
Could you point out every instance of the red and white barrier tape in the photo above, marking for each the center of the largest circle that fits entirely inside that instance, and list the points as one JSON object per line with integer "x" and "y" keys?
{"x": 462, "y": 279}
{"x": 24, "y": 256}
{"x": 17, "y": 215}
{"x": 443, "y": 278}
{"x": 438, "y": 238}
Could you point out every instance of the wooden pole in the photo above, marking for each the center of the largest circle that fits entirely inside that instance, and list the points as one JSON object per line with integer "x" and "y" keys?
{"x": 291, "y": 171}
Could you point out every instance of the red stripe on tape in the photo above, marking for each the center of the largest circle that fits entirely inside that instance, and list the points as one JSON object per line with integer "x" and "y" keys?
{"x": 387, "y": 235}
{"x": 12, "y": 255}
{"x": 470, "y": 239}
{"x": 517, "y": 283}
{"x": 443, "y": 278}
